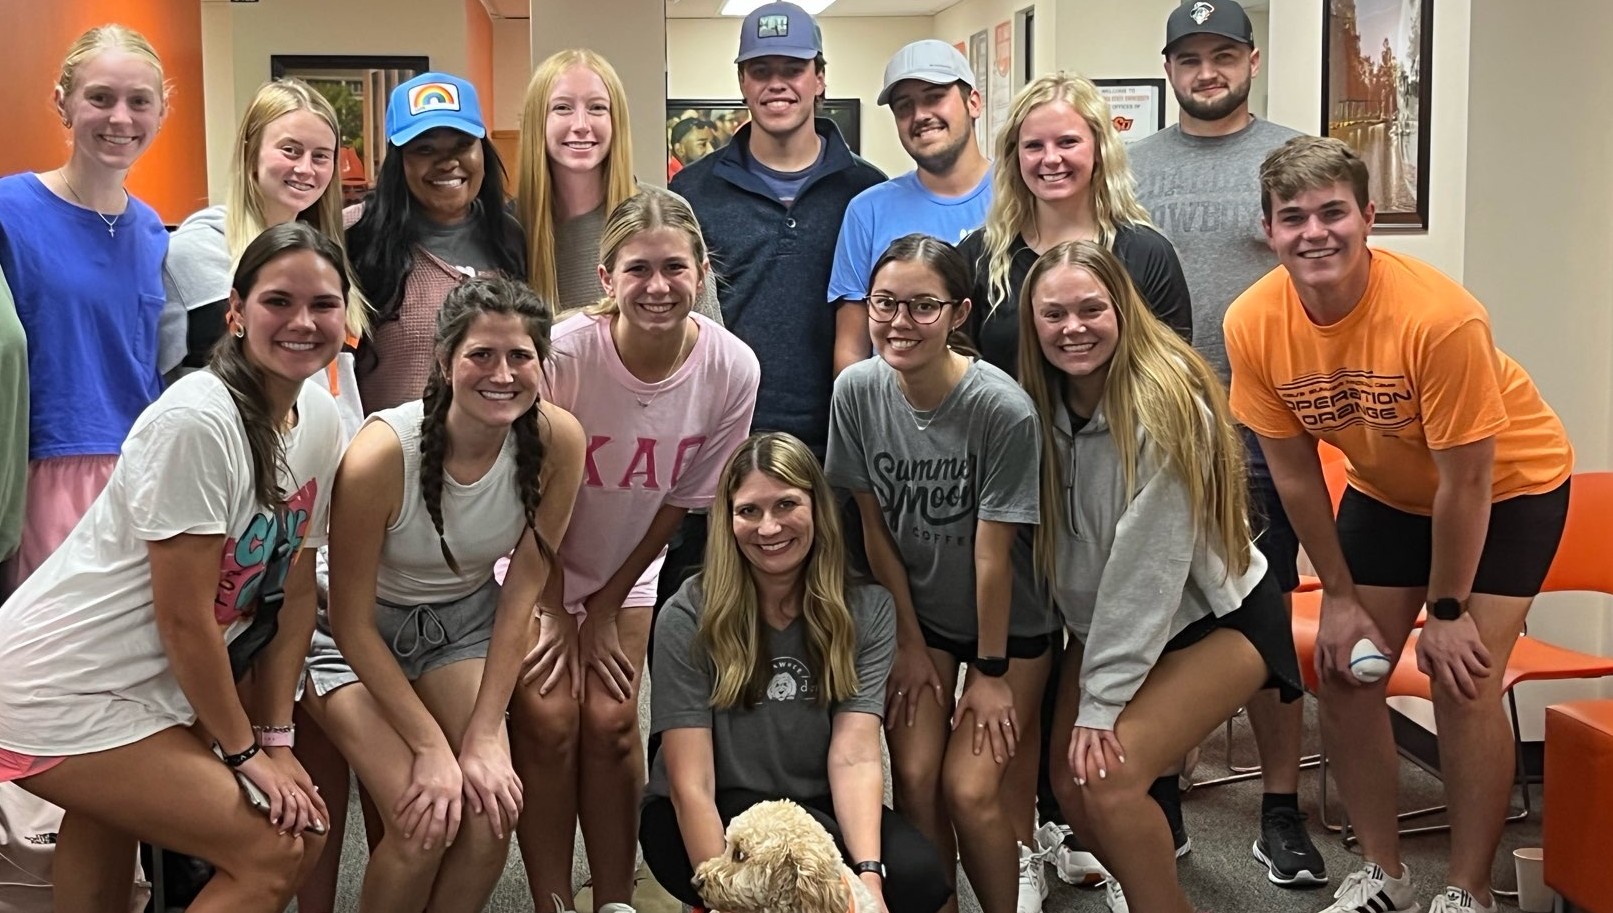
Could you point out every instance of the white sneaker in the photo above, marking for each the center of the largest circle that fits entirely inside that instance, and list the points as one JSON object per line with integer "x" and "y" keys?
{"x": 1456, "y": 900}
{"x": 615, "y": 908}
{"x": 1371, "y": 890}
{"x": 1072, "y": 864}
{"x": 1114, "y": 897}
{"x": 1032, "y": 881}
{"x": 559, "y": 905}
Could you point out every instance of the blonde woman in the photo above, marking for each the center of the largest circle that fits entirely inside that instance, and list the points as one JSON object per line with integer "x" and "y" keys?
{"x": 1061, "y": 175}
{"x": 576, "y": 167}
{"x": 665, "y": 395}
{"x": 84, "y": 262}
{"x": 1144, "y": 541}
{"x": 770, "y": 684}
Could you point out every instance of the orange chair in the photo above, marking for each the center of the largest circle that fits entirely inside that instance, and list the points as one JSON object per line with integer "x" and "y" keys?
{"x": 1579, "y": 803}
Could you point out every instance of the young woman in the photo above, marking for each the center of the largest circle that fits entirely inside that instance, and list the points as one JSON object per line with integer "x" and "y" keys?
{"x": 1144, "y": 541}
{"x": 940, "y": 450}
{"x": 119, "y": 651}
{"x": 666, "y": 395}
{"x": 576, "y": 167}
{"x": 284, "y": 168}
{"x": 435, "y": 218}
{"x": 770, "y": 683}
{"x": 84, "y": 261}
{"x": 1062, "y": 176}
{"x": 412, "y": 668}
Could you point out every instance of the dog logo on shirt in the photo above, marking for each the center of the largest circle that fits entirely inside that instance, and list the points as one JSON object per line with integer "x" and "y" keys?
{"x": 1202, "y": 11}
{"x": 791, "y": 681}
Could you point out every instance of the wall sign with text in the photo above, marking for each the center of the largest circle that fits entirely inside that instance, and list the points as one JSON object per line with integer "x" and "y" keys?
{"x": 1137, "y": 106}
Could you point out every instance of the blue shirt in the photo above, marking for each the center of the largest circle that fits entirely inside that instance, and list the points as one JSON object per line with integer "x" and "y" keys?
{"x": 89, "y": 302}
{"x": 885, "y": 212}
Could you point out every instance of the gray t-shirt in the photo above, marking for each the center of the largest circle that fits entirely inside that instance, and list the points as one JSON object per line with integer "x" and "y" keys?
{"x": 780, "y": 747}
{"x": 1204, "y": 193}
{"x": 936, "y": 475}
{"x": 457, "y": 245}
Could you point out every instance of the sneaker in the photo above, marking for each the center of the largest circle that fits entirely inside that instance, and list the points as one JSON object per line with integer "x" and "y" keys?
{"x": 615, "y": 908}
{"x": 1291, "y": 859}
{"x": 1071, "y": 861}
{"x": 1371, "y": 890}
{"x": 1456, "y": 900}
{"x": 559, "y": 905}
{"x": 1032, "y": 881}
{"x": 1168, "y": 793}
{"x": 1114, "y": 897}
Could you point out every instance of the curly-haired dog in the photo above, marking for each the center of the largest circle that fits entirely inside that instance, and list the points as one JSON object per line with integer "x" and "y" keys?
{"x": 779, "y": 859}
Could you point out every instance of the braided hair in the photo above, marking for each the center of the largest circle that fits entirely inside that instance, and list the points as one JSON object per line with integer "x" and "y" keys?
{"x": 466, "y": 302}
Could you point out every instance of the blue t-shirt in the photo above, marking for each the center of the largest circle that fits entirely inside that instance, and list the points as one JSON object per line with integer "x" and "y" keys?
{"x": 885, "y": 212}
{"x": 786, "y": 185}
{"x": 89, "y": 301}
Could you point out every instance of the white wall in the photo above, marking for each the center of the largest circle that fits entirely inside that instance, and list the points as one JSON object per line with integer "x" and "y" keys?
{"x": 700, "y": 64}
{"x": 512, "y": 68}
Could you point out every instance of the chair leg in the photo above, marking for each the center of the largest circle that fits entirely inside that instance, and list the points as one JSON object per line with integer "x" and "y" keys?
{"x": 1239, "y": 774}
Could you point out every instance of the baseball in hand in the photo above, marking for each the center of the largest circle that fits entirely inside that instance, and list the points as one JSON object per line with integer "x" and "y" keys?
{"x": 1367, "y": 662}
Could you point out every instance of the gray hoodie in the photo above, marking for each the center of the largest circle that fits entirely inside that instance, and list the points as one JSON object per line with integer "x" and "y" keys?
{"x": 1131, "y": 572}
{"x": 197, "y": 272}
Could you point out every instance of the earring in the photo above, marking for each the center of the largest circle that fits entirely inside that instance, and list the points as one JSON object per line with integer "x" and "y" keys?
{"x": 240, "y": 332}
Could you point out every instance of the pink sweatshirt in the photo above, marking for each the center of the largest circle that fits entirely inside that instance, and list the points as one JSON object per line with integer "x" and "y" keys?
{"x": 648, "y": 444}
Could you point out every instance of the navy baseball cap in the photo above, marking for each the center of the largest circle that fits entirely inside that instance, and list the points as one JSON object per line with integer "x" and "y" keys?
{"x": 779, "y": 30}
{"x": 433, "y": 100}
{"x": 1208, "y": 17}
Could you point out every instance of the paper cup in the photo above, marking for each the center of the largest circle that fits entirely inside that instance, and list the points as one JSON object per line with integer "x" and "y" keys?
{"x": 1533, "y": 895}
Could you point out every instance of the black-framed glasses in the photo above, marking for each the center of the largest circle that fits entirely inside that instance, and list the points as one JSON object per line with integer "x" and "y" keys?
{"x": 922, "y": 310}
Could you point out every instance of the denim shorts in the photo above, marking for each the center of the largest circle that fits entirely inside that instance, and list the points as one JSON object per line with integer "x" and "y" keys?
{"x": 422, "y": 637}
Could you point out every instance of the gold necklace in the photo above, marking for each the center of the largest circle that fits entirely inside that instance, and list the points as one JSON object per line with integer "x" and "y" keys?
{"x": 677, "y": 360}
{"x": 112, "y": 223}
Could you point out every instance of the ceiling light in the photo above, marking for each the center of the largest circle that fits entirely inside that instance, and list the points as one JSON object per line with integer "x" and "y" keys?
{"x": 745, "y": 7}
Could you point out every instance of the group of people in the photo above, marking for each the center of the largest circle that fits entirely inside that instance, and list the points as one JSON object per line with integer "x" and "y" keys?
{"x": 1005, "y": 460}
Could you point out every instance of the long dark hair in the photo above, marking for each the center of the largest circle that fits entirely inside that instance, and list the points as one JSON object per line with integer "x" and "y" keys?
{"x": 942, "y": 259}
{"x": 381, "y": 241}
{"x": 466, "y": 302}
{"x": 229, "y": 362}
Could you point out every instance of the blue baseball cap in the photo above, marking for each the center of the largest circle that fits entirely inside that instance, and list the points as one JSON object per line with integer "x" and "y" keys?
{"x": 433, "y": 100}
{"x": 779, "y": 30}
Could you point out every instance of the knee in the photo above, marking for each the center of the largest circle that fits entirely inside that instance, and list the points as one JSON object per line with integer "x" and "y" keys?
{"x": 546, "y": 731}
{"x": 1120, "y": 796}
{"x": 409, "y": 851}
{"x": 969, "y": 795}
{"x": 610, "y": 727}
{"x": 478, "y": 844}
{"x": 272, "y": 863}
{"x": 914, "y": 781}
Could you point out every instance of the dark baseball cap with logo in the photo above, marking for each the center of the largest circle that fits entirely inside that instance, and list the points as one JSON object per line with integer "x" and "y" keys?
{"x": 779, "y": 30}
{"x": 1208, "y": 17}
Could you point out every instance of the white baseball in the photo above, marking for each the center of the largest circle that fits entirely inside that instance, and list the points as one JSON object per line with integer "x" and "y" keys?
{"x": 1367, "y": 662}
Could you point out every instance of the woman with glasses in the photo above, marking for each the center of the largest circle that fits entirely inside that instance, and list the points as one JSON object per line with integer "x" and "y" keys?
{"x": 941, "y": 451}
{"x": 1174, "y": 621}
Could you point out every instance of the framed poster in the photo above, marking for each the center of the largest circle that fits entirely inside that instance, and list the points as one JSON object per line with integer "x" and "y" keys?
{"x": 697, "y": 126}
{"x": 1136, "y": 106}
{"x": 1377, "y": 72}
{"x": 358, "y": 88}
{"x": 1002, "y": 65}
{"x": 980, "y": 63}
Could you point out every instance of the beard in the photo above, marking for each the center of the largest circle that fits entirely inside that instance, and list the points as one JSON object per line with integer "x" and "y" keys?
{"x": 941, "y": 161}
{"x": 1237, "y": 94}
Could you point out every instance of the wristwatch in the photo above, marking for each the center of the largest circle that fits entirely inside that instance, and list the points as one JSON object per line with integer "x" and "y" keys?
{"x": 870, "y": 865}
{"x": 1445, "y": 608}
{"x": 991, "y": 666}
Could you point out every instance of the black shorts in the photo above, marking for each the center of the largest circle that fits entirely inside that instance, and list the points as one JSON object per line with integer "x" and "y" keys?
{"x": 965, "y": 651}
{"x": 1262, "y": 619}
{"x": 1273, "y": 535}
{"x": 1388, "y": 547}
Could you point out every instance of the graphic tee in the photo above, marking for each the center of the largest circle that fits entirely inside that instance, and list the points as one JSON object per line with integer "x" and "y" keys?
{"x": 85, "y": 669}
{"x": 1411, "y": 370}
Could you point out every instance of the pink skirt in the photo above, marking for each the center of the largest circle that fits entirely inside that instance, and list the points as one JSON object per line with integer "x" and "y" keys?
{"x": 60, "y": 491}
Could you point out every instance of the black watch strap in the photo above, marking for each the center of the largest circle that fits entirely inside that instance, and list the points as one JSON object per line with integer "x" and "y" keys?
{"x": 991, "y": 666}
{"x": 870, "y": 865}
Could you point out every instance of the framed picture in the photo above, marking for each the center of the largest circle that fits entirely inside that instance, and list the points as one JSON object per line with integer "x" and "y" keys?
{"x": 358, "y": 88}
{"x": 1377, "y": 69}
{"x": 1136, "y": 106}
{"x": 696, "y": 126}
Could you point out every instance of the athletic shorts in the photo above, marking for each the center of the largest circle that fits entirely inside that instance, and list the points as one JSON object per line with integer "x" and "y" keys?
{"x": 1388, "y": 547}
{"x": 422, "y": 637}
{"x": 965, "y": 651}
{"x": 1273, "y": 535}
{"x": 1263, "y": 621}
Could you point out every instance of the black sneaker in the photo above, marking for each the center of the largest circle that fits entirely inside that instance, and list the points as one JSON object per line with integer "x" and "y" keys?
{"x": 1291, "y": 859}
{"x": 1167, "y": 792}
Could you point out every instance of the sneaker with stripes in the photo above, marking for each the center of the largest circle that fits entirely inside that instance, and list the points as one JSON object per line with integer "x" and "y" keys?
{"x": 1457, "y": 900}
{"x": 1371, "y": 890}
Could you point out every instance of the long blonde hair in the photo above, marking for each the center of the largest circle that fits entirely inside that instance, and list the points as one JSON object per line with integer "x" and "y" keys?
{"x": 116, "y": 36}
{"x": 1156, "y": 383}
{"x": 649, "y": 209}
{"x": 731, "y": 627}
{"x": 535, "y": 197}
{"x": 243, "y": 209}
{"x": 1013, "y": 206}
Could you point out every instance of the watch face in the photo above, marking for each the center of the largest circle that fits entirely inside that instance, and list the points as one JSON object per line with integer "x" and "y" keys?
{"x": 1446, "y": 609}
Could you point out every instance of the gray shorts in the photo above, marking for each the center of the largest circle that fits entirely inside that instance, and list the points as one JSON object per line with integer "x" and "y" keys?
{"x": 422, "y": 637}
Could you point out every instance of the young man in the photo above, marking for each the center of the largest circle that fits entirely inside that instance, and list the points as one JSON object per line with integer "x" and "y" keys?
{"x": 931, "y": 92}
{"x": 770, "y": 205}
{"x": 1200, "y": 180}
{"x": 1458, "y": 492}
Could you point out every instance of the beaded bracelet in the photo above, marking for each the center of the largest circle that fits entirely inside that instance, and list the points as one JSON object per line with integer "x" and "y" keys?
{"x": 276, "y": 736}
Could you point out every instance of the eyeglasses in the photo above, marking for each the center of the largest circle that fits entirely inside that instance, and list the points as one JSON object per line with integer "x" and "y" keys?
{"x": 922, "y": 310}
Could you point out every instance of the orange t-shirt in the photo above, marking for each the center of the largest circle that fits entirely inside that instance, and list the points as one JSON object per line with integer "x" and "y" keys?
{"x": 1412, "y": 369}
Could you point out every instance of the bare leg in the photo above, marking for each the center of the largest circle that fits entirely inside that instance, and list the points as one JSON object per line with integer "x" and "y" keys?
{"x": 93, "y": 866}
{"x": 329, "y": 771}
{"x": 611, "y": 774}
{"x": 1277, "y": 728}
{"x": 917, "y": 752}
{"x": 544, "y": 735}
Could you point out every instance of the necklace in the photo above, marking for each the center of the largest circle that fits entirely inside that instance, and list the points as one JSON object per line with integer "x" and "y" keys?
{"x": 112, "y": 223}
{"x": 677, "y": 360}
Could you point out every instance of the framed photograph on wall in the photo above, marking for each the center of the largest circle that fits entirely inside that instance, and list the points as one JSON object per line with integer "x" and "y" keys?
{"x": 697, "y": 126}
{"x": 358, "y": 88}
{"x": 1377, "y": 73}
{"x": 1136, "y": 106}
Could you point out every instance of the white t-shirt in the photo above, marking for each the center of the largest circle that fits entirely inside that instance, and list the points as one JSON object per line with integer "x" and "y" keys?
{"x": 84, "y": 667}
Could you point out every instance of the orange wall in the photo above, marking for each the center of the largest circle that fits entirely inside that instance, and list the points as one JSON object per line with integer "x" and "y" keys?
{"x": 172, "y": 175}
{"x": 479, "y": 55}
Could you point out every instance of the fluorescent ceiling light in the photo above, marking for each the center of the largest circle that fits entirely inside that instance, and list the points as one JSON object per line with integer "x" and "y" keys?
{"x": 744, "y": 7}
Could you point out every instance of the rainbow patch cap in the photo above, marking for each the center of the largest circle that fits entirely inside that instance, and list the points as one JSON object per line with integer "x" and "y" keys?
{"x": 433, "y": 100}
